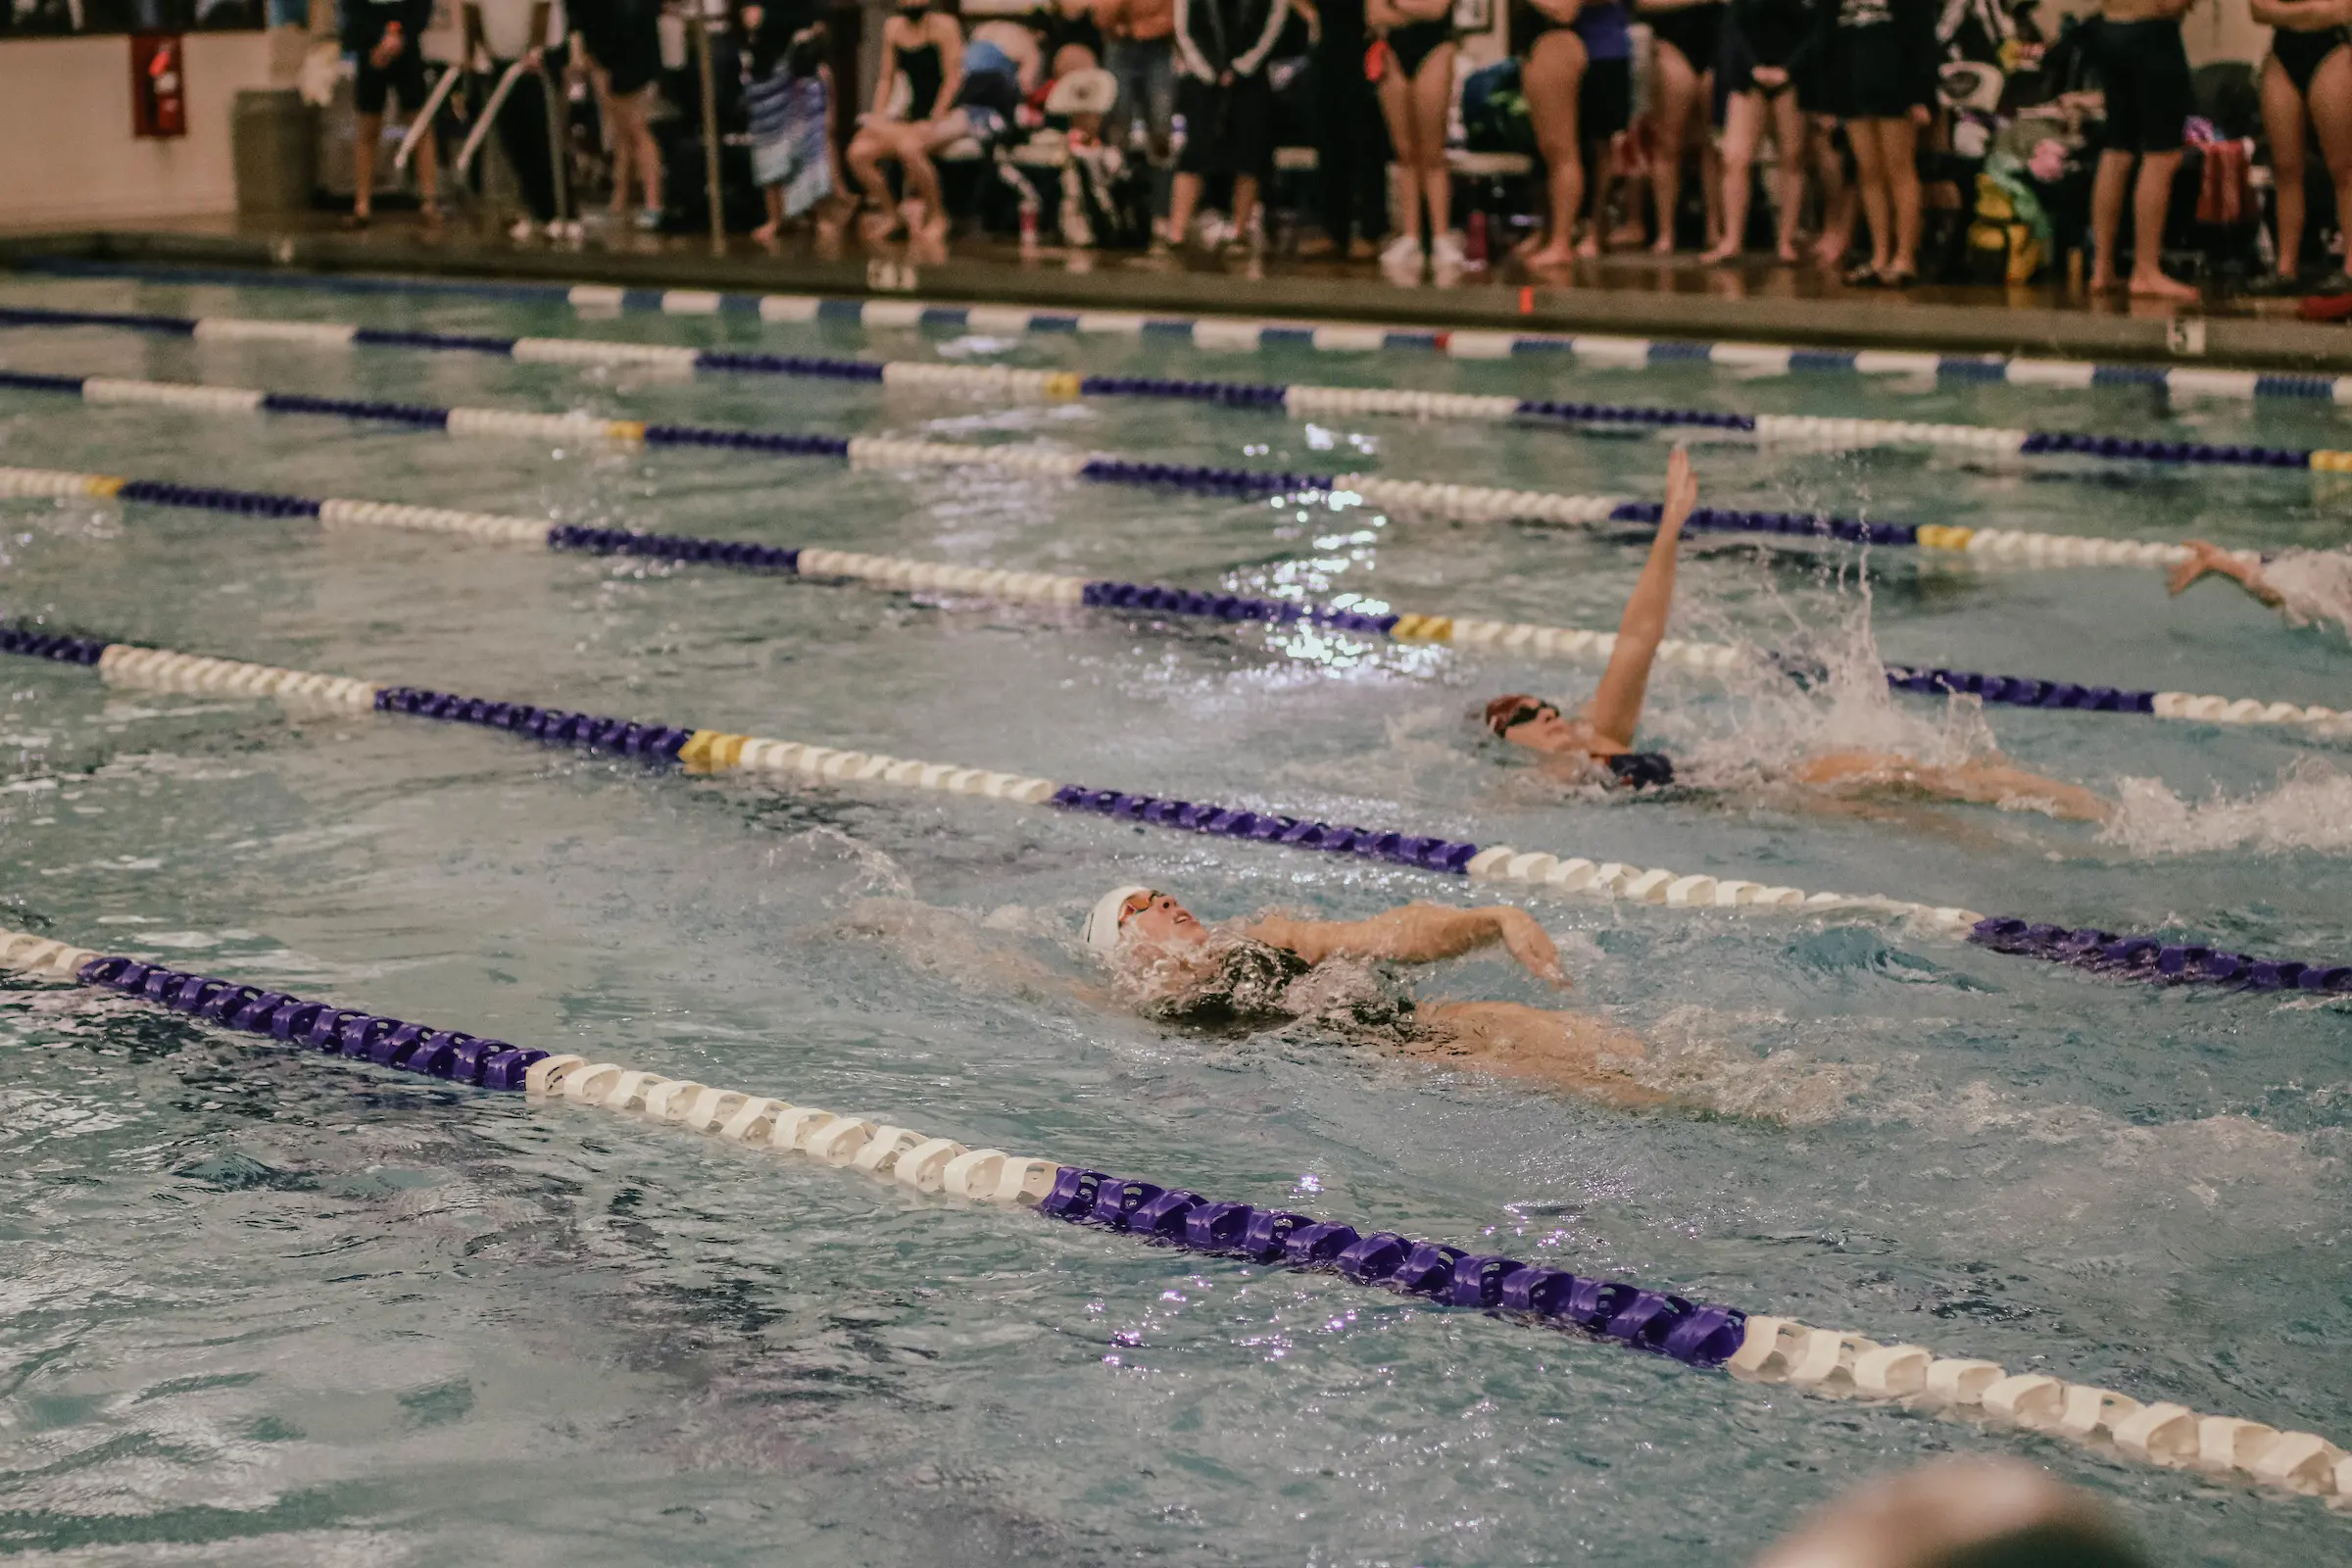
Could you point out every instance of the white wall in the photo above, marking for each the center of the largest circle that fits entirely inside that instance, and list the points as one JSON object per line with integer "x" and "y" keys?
{"x": 65, "y": 118}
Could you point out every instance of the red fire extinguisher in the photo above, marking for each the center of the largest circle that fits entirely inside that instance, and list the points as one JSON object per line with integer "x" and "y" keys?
{"x": 159, "y": 85}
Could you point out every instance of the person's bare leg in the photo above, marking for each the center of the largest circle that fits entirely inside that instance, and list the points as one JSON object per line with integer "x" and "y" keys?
{"x": 1838, "y": 204}
{"x": 1899, "y": 152}
{"x": 1678, "y": 88}
{"x": 625, "y": 153}
{"x": 1711, "y": 167}
{"x": 1563, "y": 1049}
{"x": 1600, "y": 183}
{"x": 2282, "y": 119}
{"x": 1432, "y": 91}
{"x": 1878, "y": 199}
{"x": 774, "y": 196}
{"x": 1555, "y": 76}
{"x": 1183, "y": 197}
{"x": 2107, "y": 190}
{"x": 866, "y": 151}
{"x": 1788, "y": 173}
{"x": 1743, "y": 127}
{"x": 428, "y": 178}
{"x": 367, "y": 131}
{"x": 1396, "y": 95}
{"x": 1245, "y": 201}
{"x": 648, "y": 152}
{"x": 2151, "y": 199}
{"x": 1984, "y": 782}
{"x": 2332, "y": 118}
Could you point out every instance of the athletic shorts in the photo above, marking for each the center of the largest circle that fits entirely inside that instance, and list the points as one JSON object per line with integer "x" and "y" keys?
{"x": 1870, "y": 78}
{"x": 1605, "y": 104}
{"x": 2144, "y": 68}
{"x": 405, "y": 76}
{"x": 1227, "y": 131}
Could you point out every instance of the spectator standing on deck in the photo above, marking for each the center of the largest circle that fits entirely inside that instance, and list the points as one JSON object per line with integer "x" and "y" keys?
{"x": 385, "y": 35}
{"x": 789, "y": 101}
{"x": 2306, "y": 87}
{"x": 1139, "y": 39}
{"x": 1350, "y": 163}
{"x": 1553, "y": 69}
{"x": 623, "y": 41}
{"x": 1605, "y": 104}
{"x": 1765, "y": 50}
{"x": 2144, "y": 68}
{"x": 1688, "y": 36}
{"x": 508, "y": 31}
{"x": 1227, "y": 104}
{"x": 1881, "y": 69}
{"x": 1416, "y": 90}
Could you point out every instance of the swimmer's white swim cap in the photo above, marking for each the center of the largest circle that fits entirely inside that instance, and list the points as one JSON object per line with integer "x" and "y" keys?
{"x": 1103, "y": 922}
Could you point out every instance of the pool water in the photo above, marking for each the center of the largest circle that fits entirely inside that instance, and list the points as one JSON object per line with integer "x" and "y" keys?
{"x": 270, "y": 1310}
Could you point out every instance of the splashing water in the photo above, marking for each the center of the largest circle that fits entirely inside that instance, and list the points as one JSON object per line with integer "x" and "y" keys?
{"x": 2310, "y": 809}
{"x": 1841, "y": 703}
{"x": 2316, "y": 585}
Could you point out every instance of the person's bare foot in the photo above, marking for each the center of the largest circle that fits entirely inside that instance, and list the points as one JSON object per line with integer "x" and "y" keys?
{"x": 1787, "y": 255}
{"x": 1590, "y": 246}
{"x": 2154, "y": 285}
{"x": 876, "y": 227}
{"x": 1718, "y": 254}
{"x": 767, "y": 231}
{"x": 1557, "y": 254}
{"x": 2102, "y": 281}
{"x": 1829, "y": 253}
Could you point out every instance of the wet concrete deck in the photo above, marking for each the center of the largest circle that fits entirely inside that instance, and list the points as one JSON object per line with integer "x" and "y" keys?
{"x": 1635, "y": 295}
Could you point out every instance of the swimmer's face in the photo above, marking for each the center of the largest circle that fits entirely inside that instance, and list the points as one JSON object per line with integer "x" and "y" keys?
{"x": 1157, "y": 920}
{"x": 1539, "y": 726}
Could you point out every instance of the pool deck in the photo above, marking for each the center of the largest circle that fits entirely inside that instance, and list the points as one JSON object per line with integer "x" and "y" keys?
{"x": 1634, "y": 295}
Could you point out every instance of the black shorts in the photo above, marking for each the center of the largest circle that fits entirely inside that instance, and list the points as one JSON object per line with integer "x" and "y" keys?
{"x": 1871, "y": 75}
{"x": 2144, "y": 68}
{"x": 1227, "y": 131}
{"x": 1736, "y": 66}
{"x": 1605, "y": 104}
{"x": 2299, "y": 52}
{"x": 1693, "y": 30}
{"x": 405, "y": 76}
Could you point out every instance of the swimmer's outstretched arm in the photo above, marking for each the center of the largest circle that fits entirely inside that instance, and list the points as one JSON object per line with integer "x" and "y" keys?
{"x": 2206, "y": 559}
{"x": 1419, "y": 933}
{"x": 1615, "y": 710}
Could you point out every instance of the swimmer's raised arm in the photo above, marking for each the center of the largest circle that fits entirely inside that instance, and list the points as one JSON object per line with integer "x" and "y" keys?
{"x": 1419, "y": 933}
{"x": 1615, "y": 710}
{"x": 2212, "y": 560}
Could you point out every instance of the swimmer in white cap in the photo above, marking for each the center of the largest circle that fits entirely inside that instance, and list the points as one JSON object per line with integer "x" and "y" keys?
{"x": 1276, "y": 970}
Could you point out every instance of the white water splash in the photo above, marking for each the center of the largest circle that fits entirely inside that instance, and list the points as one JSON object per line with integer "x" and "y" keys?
{"x": 2317, "y": 585}
{"x": 1843, "y": 705}
{"x": 2311, "y": 809}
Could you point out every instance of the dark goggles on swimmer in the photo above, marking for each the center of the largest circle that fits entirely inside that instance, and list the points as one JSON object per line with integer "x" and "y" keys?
{"x": 1522, "y": 715}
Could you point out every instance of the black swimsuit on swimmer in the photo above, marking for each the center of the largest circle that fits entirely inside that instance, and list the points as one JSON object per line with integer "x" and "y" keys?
{"x": 2299, "y": 52}
{"x": 1641, "y": 770}
{"x": 1415, "y": 42}
{"x": 925, "y": 79}
{"x": 1693, "y": 30}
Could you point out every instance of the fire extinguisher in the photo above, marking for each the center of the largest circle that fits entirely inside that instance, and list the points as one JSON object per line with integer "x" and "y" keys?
{"x": 159, "y": 85}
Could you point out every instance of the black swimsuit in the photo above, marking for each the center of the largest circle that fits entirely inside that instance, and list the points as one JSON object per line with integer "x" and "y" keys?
{"x": 1695, "y": 31}
{"x": 2299, "y": 52}
{"x": 1415, "y": 42}
{"x": 925, "y": 79}
{"x": 1641, "y": 770}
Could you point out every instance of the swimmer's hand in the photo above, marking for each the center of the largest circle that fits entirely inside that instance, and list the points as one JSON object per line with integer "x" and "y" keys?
{"x": 2202, "y": 558}
{"x": 1681, "y": 489}
{"x": 1529, "y": 944}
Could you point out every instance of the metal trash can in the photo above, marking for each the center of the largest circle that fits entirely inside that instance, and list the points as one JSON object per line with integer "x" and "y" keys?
{"x": 274, "y": 148}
